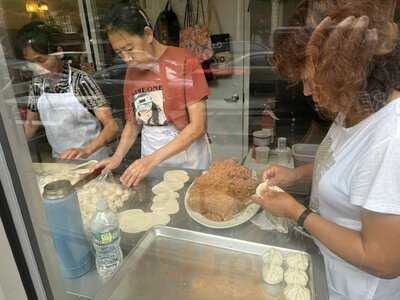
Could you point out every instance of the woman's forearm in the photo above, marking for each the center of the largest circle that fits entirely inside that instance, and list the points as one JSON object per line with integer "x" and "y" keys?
{"x": 304, "y": 174}
{"x": 106, "y": 135}
{"x": 348, "y": 244}
{"x": 128, "y": 138}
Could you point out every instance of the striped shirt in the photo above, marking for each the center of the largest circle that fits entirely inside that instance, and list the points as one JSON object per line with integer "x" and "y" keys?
{"x": 84, "y": 87}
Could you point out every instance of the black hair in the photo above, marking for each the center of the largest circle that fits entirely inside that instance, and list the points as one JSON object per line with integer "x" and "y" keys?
{"x": 41, "y": 37}
{"x": 127, "y": 16}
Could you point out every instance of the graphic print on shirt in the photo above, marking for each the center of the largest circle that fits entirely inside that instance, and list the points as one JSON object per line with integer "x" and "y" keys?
{"x": 149, "y": 106}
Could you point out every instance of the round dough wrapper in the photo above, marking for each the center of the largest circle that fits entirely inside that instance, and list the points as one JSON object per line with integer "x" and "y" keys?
{"x": 297, "y": 292}
{"x": 263, "y": 186}
{"x": 296, "y": 276}
{"x": 176, "y": 176}
{"x": 161, "y": 188}
{"x": 273, "y": 256}
{"x": 175, "y": 185}
{"x": 297, "y": 261}
{"x": 160, "y": 219}
{"x": 134, "y": 221}
{"x": 170, "y": 207}
{"x": 272, "y": 274}
{"x": 82, "y": 171}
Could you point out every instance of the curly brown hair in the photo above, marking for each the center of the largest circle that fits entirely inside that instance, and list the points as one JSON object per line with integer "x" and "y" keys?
{"x": 354, "y": 78}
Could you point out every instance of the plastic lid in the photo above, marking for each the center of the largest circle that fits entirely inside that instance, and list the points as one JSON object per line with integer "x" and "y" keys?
{"x": 57, "y": 190}
{"x": 101, "y": 205}
{"x": 282, "y": 144}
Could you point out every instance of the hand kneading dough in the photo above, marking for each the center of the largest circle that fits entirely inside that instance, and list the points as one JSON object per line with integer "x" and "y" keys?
{"x": 273, "y": 256}
{"x": 176, "y": 176}
{"x": 297, "y": 292}
{"x": 296, "y": 276}
{"x": 297, "y": 261}
{"x": 263, "y": 186}
{"x": 272, "y": 274}
{"x": 135, "y": 220}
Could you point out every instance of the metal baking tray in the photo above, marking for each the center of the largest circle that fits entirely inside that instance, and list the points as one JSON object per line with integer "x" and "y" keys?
{"x": 177, "y": 264}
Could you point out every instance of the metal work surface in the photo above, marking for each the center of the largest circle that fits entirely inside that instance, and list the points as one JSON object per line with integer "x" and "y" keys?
{"x": 171, "y": 263}
{"x": 89, "y": 285}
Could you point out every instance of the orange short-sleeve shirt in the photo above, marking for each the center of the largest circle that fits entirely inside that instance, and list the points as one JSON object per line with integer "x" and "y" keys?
{"x": 175, "y": 83}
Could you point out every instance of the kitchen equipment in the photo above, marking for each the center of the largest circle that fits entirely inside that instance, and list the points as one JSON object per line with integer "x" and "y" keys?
{"x": 261, "y": 154}
{"x": 304, "y": 153}
{"x": 65, "y": 224}
{"x": 173, "y": 263}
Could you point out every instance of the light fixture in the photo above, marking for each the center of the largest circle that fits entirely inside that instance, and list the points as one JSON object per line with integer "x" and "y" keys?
{"x": 43, "y": 6}
{"x": 31, "y": 6}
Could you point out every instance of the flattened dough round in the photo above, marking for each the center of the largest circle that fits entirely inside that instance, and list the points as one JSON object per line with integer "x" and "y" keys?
{"x": 134, "y": 221}
{"x": 169, "y": 207}
{"x": 161, "y": 188}
{"x": 176, "y": 175}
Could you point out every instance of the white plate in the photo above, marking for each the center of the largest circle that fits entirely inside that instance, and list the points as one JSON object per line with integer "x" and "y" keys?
{"x": 249, "y": 212}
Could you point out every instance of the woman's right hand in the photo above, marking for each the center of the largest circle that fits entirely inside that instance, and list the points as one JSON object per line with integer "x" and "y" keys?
{"x": 107, "y": 164}
{"x": 280, "y": 176}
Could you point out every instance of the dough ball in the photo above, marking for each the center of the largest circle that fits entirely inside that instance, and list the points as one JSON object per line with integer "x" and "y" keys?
{"x": 176, "y": 176}
{"x": 297, "y": 261}
{"x": 297, "y": 292}
{"x": 161, "y": 188}
{"x": 272, "y": 274}
{"x": 273, "y": 256}
{"x": 296, "y": 276}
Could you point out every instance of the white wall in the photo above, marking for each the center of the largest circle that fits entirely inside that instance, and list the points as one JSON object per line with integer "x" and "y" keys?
{"x": 10, "y": 282}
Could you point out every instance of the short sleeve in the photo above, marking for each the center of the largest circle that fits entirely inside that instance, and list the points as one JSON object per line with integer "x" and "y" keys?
{"x": 196, "y": 87}
{"x": 376, "y": 181}
{"x": 128, "y": 87}
{"x": 33, "y": 98}
{"x": 89, "y": 92}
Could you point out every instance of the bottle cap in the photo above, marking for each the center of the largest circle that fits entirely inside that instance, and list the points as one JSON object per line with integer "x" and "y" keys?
{"x": 57, "y": 190}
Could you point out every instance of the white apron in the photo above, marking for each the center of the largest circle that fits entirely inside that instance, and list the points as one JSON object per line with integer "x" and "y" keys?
{"x": 68, "y": 123}
{"x": 197, "y": 156}
{"x": 345, "y": 281}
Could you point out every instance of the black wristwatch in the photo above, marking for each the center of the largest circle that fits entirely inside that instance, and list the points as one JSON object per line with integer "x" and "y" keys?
{"x": 303, "y": 217}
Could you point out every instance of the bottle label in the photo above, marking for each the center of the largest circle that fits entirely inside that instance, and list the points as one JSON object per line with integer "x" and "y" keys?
{"x": 104, "y": 238}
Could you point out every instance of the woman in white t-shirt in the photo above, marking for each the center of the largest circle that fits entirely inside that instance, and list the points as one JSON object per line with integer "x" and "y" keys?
{"x": 351, "y": 66}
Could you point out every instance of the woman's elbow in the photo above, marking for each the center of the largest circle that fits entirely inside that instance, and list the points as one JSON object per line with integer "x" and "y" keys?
{"x": 384, "y": 270}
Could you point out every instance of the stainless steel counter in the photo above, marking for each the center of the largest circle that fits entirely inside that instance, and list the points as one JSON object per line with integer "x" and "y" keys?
{"x": 88, "y": 285}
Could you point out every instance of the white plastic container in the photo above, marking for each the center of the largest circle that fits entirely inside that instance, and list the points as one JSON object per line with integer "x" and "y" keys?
{"x": 262, "y": 138}
{"x": 304, "y": 153}
{"x": 261, "y": 154}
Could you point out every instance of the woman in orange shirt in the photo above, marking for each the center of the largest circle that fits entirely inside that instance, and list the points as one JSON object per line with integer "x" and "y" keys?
{"x": 164, "y": 97}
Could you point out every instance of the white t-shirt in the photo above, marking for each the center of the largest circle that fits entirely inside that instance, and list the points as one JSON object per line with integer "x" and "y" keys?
{"x": 358, "y": 168}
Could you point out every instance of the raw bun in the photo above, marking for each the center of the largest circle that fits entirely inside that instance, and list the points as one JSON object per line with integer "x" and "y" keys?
{"x": 161, "y": 188}
{"x": 264, "y": 186}
{"x": 176, "y": 176}
{"x": 273, "y": 256}
{"x": 135, "y": 220}
{"x": 297, "y": 261}
{"x": 272, "y": 274}
{"x": 296, "y": 276}
{"x": 297, "y": 292}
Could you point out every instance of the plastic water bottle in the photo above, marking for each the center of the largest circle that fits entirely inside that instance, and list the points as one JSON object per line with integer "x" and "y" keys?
{"x": 106, "y": 239}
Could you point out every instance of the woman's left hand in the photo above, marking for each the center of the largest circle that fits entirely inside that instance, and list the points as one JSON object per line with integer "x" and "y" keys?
{"x": 137, "y": 171}
{"x": 75, "y": 153}
{"x": 280, "y": 204}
